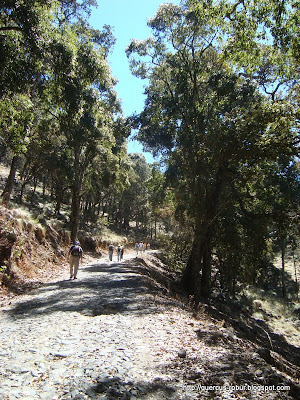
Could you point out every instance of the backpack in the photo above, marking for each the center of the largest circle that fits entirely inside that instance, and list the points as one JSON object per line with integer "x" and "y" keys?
{"x": 75, "y": 250}
{"x": 110, "y": 247}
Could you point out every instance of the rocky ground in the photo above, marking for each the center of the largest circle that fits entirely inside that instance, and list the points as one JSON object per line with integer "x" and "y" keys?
{"x": 117, "y": 333}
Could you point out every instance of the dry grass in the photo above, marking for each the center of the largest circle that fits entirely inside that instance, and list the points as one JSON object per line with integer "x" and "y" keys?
{"x": 278, "y": 313}
{"x": 289, "y": 264}
{"x": 107, "y": 236}
{"x": 282, "y": 315}
{"x": 4, "y": 171}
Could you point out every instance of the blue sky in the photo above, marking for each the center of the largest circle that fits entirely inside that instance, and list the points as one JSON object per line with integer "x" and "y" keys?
{"x": 129, "y": 21}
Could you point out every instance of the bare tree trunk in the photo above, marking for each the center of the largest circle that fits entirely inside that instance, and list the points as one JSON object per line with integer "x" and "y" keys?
{"x": 296, "y": 277}
{"x": 75, "y": 206}
{"x": 25, "y": 182}
{"x": 10, "y": 181}
{"x": 34, "y": 189}
{"x": 44, "y": 187}
{"x": 197, "y": 276}
{"x": 75, "y": 214}
{"x": 283, "y": 268}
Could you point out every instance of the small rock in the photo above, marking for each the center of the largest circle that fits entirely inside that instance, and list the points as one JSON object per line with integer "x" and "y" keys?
{"x": 182, "y": 353}
{"x": 258, "y": 372}
{"x": 87, "y": 312}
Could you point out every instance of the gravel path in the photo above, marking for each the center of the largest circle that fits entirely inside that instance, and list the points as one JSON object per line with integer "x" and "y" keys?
{"x": 113, "y": 333}
{"x": 105, "y": 335}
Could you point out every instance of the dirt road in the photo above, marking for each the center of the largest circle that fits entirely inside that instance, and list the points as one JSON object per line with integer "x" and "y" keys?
{"x": 115, "y": 333}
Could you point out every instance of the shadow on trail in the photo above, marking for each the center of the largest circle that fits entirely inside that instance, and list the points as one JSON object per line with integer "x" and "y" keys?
{"x": 116, "y": 388}
{"x": 100, "y": 289}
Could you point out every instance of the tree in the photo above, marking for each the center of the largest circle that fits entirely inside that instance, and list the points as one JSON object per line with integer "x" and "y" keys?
{"x": 62, "y": 67}
{"x": 87, "y": 125}
{"x": 286, "y": 188}
{"x": 210, "y": 120}
{"x": 26, "y": 28}
{"x": 135, "y": 197}
{"x": 157, "y": 189}
{"x": 17, "y": 116}
{"x": 29, "y": 31}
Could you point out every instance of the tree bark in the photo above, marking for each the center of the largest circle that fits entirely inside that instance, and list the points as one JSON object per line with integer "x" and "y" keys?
{"x": 10, "y": 181}
{"x": 75, "y": 212}
{"x": 75, "y": 206}
{"x": 197, "y": 276}
{"x": 283, "y": 268}
{"x": 296, "y": 277}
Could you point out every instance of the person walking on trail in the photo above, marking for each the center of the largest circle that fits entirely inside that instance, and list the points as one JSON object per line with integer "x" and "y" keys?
{"x": 137, "y": 247}
{"x": 141, "y": 246}
{"x": 119, "y": 252}
{"x": 75, "y": 255}
{"x": 110, "y": 251}
{"x": 122, "y": 252}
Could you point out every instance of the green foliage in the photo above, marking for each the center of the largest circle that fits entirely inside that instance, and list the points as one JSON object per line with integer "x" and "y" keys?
{"x": 60, "y": 113}
{"x": 3, "y": 268}
{"x": 17, "y": 117}
{"x": 222, "y": 137}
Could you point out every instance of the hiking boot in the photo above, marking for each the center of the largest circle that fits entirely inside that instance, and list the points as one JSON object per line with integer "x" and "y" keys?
{"x": 75, "y": 277}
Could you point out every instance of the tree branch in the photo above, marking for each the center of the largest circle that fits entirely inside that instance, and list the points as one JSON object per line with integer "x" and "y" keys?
{"x": 10, "y": 28}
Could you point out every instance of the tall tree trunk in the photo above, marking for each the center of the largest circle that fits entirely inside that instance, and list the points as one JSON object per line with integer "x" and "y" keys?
{"x": 197, "y": 276}
{"x": 296, "y": 277}
{"x": 75, "y": 206}
{"x": 283, "y": 268}
{"x": 34, "y": 189}
{"x": 44, "y": 187}
{"x": 10, "y": 180}
{"x": 75, "y": 211}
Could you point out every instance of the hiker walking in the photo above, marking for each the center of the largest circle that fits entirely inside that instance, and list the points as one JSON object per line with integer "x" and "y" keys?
{"x": 137, "y": 247}
{"x": 75, "y": 255}
{"x": 110, "y": 251}
{"x": 119, "y": 252}
{"x": 141, "y": 246}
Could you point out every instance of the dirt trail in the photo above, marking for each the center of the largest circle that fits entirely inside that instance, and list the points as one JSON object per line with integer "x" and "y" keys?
{"x": 116, "y": 333}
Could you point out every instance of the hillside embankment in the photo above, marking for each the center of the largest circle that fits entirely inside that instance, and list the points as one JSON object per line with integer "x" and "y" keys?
{"x": 33, "y": 253}
{"x": 29, "y": 252}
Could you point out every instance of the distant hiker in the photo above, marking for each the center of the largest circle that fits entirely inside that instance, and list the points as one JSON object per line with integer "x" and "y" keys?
{"x": 144, "y": 247}
{"x": 119, "y": 252}
{"x": 110, "y": 251}
{"x": 137, "y": 247}
{"x": 75, "y": 255}
{"x": 148, "y": 246}
{"x": 122, "y": 252}
{"x": 141, "y": 246}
